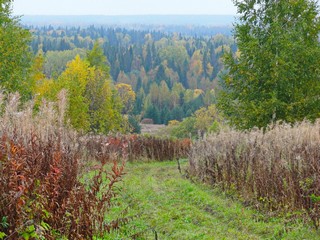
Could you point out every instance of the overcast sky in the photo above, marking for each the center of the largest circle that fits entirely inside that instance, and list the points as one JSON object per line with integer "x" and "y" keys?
{"x": 123, "y": 7}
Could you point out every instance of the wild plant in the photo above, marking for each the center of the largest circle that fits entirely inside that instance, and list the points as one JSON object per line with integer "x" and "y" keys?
{"x": 135, "y": 147}
{"x": 278, "y": 170}
{"x": 42, "y": 166}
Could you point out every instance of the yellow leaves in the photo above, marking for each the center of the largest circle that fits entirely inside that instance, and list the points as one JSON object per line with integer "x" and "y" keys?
{"x": 196, "y": 63}
{"x": 228, "y": 80}
{"x": 223, "y": 48}
{"x": 75, "y": 79}
{"x": 205, "y": 117}
{"x": 123, "y": 78}
{"x": 209, "y": 69}
{"x": 197, "y": 93}
{"x": 238, "y": 54}
{"x": 127, "y": 96}
{"x": 126, "y": 90}
{"x": 173, "y": 123}
{"x": 37, "y": 68}
{"x": 76, "y": 73}
{"x": 44, "y": 88}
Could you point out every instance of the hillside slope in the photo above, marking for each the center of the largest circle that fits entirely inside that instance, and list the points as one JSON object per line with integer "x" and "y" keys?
{"x": 162, "y": 204}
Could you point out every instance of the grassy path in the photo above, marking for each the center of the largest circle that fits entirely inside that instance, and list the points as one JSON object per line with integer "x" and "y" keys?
{"x": 161, "y": 202}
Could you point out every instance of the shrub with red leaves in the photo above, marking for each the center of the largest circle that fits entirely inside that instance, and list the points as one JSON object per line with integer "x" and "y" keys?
{"x": 40, "y": 187}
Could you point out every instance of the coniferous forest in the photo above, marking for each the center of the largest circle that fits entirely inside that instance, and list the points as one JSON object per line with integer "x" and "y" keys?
{"x": 171, "y": 75}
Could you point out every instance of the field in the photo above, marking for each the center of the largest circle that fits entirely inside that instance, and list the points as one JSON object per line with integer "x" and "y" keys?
{"x": 163, "y": 204}
{"x": 151, "y": 129}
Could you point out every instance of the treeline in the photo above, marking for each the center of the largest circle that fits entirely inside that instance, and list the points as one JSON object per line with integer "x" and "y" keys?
{"x": 171, "y": 75}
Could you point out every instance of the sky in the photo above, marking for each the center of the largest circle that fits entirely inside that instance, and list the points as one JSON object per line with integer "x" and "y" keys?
{"x": 124, "y": 7}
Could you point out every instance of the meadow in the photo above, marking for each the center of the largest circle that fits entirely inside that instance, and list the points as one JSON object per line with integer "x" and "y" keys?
{"x": 60, "y": 184}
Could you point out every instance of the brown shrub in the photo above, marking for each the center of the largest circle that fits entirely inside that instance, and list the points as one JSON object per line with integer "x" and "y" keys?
{"x": 279, "y": 169}
{"x": 41, "y": 171}
{"x": 134, "y": 147}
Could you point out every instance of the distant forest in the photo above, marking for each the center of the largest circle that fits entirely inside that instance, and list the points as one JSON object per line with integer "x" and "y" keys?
{"x": 172, "y": 75}
{"x": 167, "y": 22}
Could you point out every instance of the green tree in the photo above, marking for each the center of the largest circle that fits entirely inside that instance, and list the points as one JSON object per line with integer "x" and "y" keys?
{"x": 96, "y": 58}
{"x": 161, "y": 75}
{"x": 75, "y": 79}
{"x": 206, "y": 117}
{"x": 275, "y": 76}
{"x": 184, "y": 129}
{"x": 55, "y": 61}
{"x": 127, "y": 96}
{"x": 104, "y": 103}
{"x": 153, "y": 113}
{"x": 15, "y": 54}
{"x": 138, "y": 105}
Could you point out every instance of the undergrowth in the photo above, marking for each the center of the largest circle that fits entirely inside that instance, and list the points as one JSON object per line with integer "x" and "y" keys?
{"x": 277, "y": 170}
{"x": 133, "y": 147}
{"x": 41, "y": 165}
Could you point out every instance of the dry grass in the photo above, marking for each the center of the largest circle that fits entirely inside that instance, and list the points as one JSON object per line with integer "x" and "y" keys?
{"x": 136, "y": 147}
{"x": 41, "y": 165}
{"x": 278, "y": 170}
{"x": 152, "y": 129}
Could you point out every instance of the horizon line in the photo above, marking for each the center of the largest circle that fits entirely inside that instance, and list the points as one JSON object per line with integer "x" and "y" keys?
{"x": 121, "y": 15}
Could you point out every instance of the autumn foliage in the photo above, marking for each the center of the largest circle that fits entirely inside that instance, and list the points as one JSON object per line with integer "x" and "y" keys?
{"x": 45, "y": 192}
{"x": 55, "y": 183}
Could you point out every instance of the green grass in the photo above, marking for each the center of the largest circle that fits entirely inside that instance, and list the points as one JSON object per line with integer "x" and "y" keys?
{"x": 160, "y": 201}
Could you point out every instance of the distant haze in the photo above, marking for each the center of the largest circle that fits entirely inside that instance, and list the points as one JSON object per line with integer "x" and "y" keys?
{"x": 124, "y": 7}
{"x": 134, "y": 21}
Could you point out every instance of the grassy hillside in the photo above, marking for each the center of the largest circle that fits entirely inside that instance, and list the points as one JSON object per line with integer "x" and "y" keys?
{"x": 162, "y": 204}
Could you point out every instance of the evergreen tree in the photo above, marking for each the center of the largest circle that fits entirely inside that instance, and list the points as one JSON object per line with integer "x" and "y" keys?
{"x": 153, "y": 113}
{"x": 148, "y": 59}
{"x": 96, "y": 58}
{"x": 161, "y": 75}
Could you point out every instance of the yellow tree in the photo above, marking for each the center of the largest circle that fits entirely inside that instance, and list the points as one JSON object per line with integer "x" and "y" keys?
{"x": 37, "y": 68}
{"x": 127, "y": 96}
{"x": 74, "y": 79}
{"x": 207, "y": 119}
{"x": 41, "y": 86}
{"x": 104, "y": 104}
{"x": 164, "y": 96}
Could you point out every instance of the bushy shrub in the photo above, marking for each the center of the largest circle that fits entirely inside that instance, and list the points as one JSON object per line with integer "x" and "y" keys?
{"x": 42, "y": 166}
{"x": 184, "y": 129}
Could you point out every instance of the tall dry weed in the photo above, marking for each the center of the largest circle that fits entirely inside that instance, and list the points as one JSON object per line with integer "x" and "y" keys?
{"x": 278, "y": 169}
{"x": 41, "y": 167}
{"x": 134, "y": 147}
